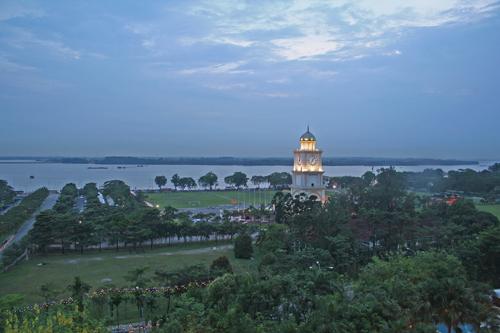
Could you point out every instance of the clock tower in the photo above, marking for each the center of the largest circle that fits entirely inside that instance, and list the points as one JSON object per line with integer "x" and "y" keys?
{"x": 308, "y": 169}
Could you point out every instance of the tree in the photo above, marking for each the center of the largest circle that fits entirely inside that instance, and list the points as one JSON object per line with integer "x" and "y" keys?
{"x": 221, "y": 265}
{"x": 160, "y": 181}
{"x": 430, "y": 287}
{"x": 368, "y": 177}
{"x": 43, "y": 232}
{"x": 238, "y": 179}
{"x": 138, "y": 281}
{"x": 78, "y": 290}
{"x": 258, "y": 180}
{"x": 187, "y": 182}
{"x": 279, "y": 179}
{"x": 82, "y": 233}
{"x": 210, "y": 180}
{"x": 7, "y": 193}
{"x": 243, "y": 246}
{"x": 115, "y": 299}
{"x": 175, "y": 180}
{"x": 495, "y": 167}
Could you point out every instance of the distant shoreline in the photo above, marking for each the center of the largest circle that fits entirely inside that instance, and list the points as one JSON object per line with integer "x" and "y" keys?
{"x": 236, "y": 161}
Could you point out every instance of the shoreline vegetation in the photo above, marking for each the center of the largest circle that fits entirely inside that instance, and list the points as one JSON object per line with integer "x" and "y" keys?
{"x": 245, "y": 161}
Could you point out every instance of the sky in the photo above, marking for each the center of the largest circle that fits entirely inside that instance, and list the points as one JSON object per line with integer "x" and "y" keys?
{"x": 374, "y": 78}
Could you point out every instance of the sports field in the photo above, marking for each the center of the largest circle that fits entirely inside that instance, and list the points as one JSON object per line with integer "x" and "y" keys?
{"x": 493, "y": 209}
{"x": 108, "y": 268}
{"x": 202, "y": 199}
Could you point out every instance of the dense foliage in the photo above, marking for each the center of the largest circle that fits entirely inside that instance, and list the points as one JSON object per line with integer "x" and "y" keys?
{"x": 374, "y": 259}
{"x": 243, "y": 246}
{"x": 485, "y": 182}
{"x": 127, "y": 224}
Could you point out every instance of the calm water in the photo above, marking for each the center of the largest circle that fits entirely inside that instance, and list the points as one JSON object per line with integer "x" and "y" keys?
{"x": 56, "y": 175}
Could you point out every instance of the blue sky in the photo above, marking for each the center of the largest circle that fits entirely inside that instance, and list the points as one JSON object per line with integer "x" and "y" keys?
{"x": 413, "y": 78}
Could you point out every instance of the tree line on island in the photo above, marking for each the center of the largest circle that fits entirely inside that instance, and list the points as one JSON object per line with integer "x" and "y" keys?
{"x": 238, "y": 180}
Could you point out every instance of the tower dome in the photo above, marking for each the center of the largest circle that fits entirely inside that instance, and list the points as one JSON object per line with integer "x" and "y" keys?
{"x": 307, "y": 136}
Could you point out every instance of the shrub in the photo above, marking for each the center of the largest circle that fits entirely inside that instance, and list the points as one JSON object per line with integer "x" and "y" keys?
{"x": 221, "y": 265}
{"x": 243, "y": 247}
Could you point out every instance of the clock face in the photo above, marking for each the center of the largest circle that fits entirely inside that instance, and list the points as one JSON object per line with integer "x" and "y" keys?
{"x": 313, "y": 160}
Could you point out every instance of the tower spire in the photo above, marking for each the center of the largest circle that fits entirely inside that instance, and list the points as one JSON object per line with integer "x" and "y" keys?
{"x": 307, "y": 127}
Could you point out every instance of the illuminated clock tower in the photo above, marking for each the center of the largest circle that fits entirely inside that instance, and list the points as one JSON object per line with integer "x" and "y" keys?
{"x": 308, "y": 169}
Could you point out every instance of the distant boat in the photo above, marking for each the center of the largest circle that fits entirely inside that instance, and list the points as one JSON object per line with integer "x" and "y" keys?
{"x": 32, "y": 177}
{"x": 97, "y": 168}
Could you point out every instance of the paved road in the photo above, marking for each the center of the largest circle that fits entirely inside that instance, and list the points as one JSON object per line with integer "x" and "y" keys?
{"x": 26, "y": 227}
{"x": 80, "y": 204}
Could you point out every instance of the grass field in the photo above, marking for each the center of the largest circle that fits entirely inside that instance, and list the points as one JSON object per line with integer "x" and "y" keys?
{"x": 59, "y": 270}
{"x": 201, "y": 199}
{"x": 494, "y": 209}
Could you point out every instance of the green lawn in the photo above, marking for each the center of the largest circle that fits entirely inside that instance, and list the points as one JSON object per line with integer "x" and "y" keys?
{"x": 27, "y": 277}
{"x": 494, "y": 209}
{"x": 199, "y": 199}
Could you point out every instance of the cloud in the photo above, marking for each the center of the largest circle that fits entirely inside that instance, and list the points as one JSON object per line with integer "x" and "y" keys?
{"x": 7, "y": 65}
{"x": 276, "y": 94}
{"x": 224, "y": 68}
{"x": 393, "y": 53}
{"x": 19, "y": 38}
{"x": 58, "y": 48}
{"x": 304, "y": 30}
{"x": 11, "y": 10}
{"x": 304, "y": 47}
{"x": 226, "y": 86}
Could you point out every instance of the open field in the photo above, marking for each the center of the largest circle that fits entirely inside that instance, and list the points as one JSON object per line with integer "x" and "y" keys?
{"x": 94, "y": 268}
{"x": 201, "y": 199}
{"x": 493, "y": 209}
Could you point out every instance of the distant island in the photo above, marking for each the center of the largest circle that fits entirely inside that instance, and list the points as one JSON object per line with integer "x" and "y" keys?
{"x": 245, "y": 161}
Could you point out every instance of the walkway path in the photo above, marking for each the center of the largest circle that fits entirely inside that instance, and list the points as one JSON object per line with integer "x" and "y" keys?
{"x": 28, "y": 225}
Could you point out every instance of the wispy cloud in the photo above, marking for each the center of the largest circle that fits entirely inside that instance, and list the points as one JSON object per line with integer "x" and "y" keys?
{"x": 225, "y": 68}
{"x": 12, "y": 10}
{"x": 226, "y": 86}
{"x": 12, "y": 66}
{"x": 302, "y": 30}
{"x": 305, "y": 47}
{"x": 19, "y": 38}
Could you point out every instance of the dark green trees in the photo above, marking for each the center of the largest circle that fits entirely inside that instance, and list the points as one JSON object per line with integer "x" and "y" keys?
{"x": 237, "y": 179}
{"x": 279, "y": 180}
{"x": 209, "y": 180}
{"x": 160, "y": 181}
{"x": 221, "y": 265}
{"x": 175, "y": 181}
{"x": 243, "y": 247}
